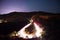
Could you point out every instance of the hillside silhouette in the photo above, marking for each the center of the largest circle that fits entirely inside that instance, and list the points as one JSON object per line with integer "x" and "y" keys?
{"x": 20, "y": 16}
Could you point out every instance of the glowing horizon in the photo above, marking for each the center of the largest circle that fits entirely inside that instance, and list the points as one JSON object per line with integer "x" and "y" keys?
{"x": 7, "y": 6}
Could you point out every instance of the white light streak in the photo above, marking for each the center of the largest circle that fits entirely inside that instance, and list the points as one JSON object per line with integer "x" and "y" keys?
{"x": 38, "y": 30}
{"x": 24, "y": 35}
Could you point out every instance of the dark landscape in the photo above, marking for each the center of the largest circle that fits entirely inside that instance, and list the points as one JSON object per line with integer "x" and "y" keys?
{"x": 14, "y": 21}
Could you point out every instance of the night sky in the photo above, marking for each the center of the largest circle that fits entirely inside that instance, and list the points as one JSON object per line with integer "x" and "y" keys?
{"x": 7, "y": 6}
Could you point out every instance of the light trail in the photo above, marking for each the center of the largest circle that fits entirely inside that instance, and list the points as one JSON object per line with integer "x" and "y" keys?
{"x": 37, "y": 33}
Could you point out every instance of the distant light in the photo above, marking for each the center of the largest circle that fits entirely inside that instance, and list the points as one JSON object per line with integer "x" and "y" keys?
{"x": 1, "y": 20}
{"x": 5, "y": 21}
{"x": 13, "y": 34}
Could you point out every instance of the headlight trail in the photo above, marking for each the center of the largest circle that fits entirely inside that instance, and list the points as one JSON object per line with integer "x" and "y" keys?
{"x": 21, "y": 33}
{"x": 36, "y": 33}
{"x": 38, "y": 30}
